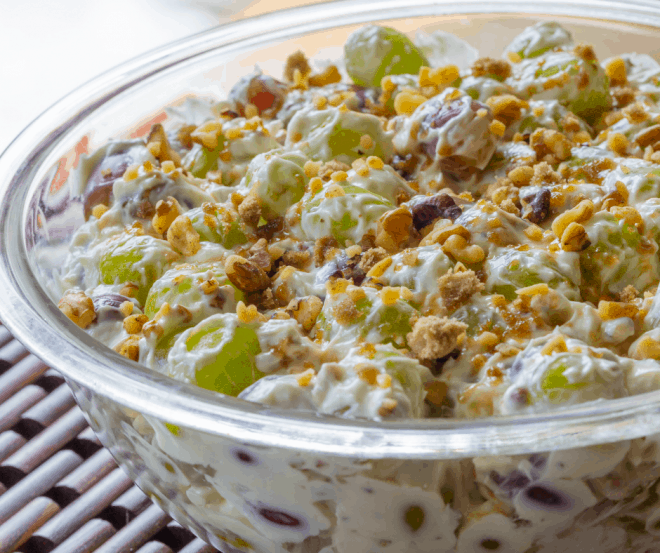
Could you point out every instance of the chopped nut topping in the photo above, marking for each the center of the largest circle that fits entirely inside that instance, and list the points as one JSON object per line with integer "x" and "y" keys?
{"x": 628, "y": 294}
{"x": 555, "y": 345}
{"x": 506, "y": 108}
{"x": 608, "y": 310}
{"x": 345, "y": 312}
{"x": 133, "y": 324}
{"x": 547, "y": 142}
{"x": 183, "y": 237}
{"x": 129, "y": 347}
{"x": 79, "y": 308}
{"x": 305, "y": 379}
{"x": 372, "y": 257}
{"x": 394, "y": 229}
{"x": 388, "y": 407}
{"x": 647, "y": 348}
{"x": 305, "y": 311}
{"x": 581, "y": 213}
{"x": 574, "y": 238}
{"x": 209, "y": 286}
{"x": 159, "y": 146}
{"x": 457, "y": 287}
{"x": 405, "y": 103}
{"x": 433, "y": 337}
{"x": 247, "y": 314}
{"x": 250, "y": 209}
{"x": 327, "y": 169}
{"x": 245, "y": 275}
{"x": 99, "y": 210}
{"x": 296, "y": 61}
{"x": 585, "y": 51}
{"x": 167, "y": 211}
{"x": 497, "y": 128}
{"x": 490, "y": 67}
{"x": 325, "y": 250}
{"x": 616, "y": 71}
{"x": 328, "y": 76}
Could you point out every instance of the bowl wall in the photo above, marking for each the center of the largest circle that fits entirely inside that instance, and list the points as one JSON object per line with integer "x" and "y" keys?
{"x": 245, "y": 483}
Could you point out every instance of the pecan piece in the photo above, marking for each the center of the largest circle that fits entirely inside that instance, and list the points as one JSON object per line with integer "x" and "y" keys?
{"x": 245, "y": 274}
{"x": 78, "y": 307}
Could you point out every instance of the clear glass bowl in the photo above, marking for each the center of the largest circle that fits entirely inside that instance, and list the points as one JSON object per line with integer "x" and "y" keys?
{"x": 251, "y": 479}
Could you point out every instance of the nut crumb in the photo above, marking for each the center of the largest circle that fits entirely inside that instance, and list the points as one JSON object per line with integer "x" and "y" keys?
{"x": 371, "y": 257}
{"x": 129, "y": 347}
{"x": 433, "y": 337}
{"x": 246, "y": 275}
{"x": 183, "y": 237}
{"x": 133, "y": 323}
{"x": 628, "y": 294}
{"x": 167, "y": 211}
{"x": 298, "y": 61}
{"x": 456, "y": 288}
{"x": 78, "y": 307}
{"x": 250, "y": 209}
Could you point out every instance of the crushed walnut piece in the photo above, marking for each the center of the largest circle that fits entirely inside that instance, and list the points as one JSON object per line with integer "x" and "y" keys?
{"x": 159, "y": 146}
{"x": 490, "y": 67}
{"x": 457, "y": 287}
{"x": 628, "y": 294}
{"x": 183, "y": 237}
{"x": 167, "y": 211}
{"x": 129, "y": 347}
{"x": 434, "y": 337}
{"x": 327, "y": 169}
{"x": 305, "y": 311}
{"x": 325, "y": 250}
{"x": 78, "y": 307}
{"x": 133, "y": 323}
{"x": 250, "y": 209}
{"x": 371, "y": 257}
{"x": 246, "y": 275}
{"x": 296, "y": 61}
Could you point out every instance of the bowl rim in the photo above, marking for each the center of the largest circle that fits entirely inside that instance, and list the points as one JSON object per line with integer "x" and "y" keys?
{"x": 35, "y": 320}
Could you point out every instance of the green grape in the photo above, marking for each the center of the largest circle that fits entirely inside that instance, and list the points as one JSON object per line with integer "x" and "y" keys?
{"x": 372, "y": 52}
{"x": 552, "y": 117}
{"x": 642, "y": 180}
{"x": 347, "y": 217}
{"x": 279, "y": 181}
{"x": 205, "y": 160}
{"x": 580, "y": 85}
{"x": 394, "y": 322}
{"x": 373, "y": 321}
{"x": 539, "y": 39}
{"x": 137, "y": 259}
{"x": 618, "y": 256}
{"x": 519, "y": 269}
{"x": 225, "y": 352}
{"x": 555, "y": 378}
{"x": 482, "y": 88}
{"x": 166, "y": 341}
{"x": 219, "y": 225}
{"x": 333, "y": 134}
{"x": 180, "y": 286}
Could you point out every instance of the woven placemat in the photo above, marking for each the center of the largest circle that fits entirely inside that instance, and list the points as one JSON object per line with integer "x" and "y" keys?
{"x": 60, "y": 490}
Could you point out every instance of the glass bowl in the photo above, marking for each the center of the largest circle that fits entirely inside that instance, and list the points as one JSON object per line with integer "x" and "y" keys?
{"x": 251, "y": 479}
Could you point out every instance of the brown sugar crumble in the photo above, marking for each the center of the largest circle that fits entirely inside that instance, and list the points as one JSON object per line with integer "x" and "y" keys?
{"x": 434, "y": 337}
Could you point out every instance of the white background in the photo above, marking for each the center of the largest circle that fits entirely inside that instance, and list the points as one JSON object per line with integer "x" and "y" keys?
{"x": 49, "y": 47}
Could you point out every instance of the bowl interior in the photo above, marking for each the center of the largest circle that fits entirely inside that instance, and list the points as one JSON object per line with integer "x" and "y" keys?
{"x": 38, "y": 198}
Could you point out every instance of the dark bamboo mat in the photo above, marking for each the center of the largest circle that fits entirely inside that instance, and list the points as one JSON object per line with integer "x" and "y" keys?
{"x": 60, "y": 490}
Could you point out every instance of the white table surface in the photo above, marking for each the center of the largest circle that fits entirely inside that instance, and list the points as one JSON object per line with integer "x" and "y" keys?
{"x": 52, "y": 46}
